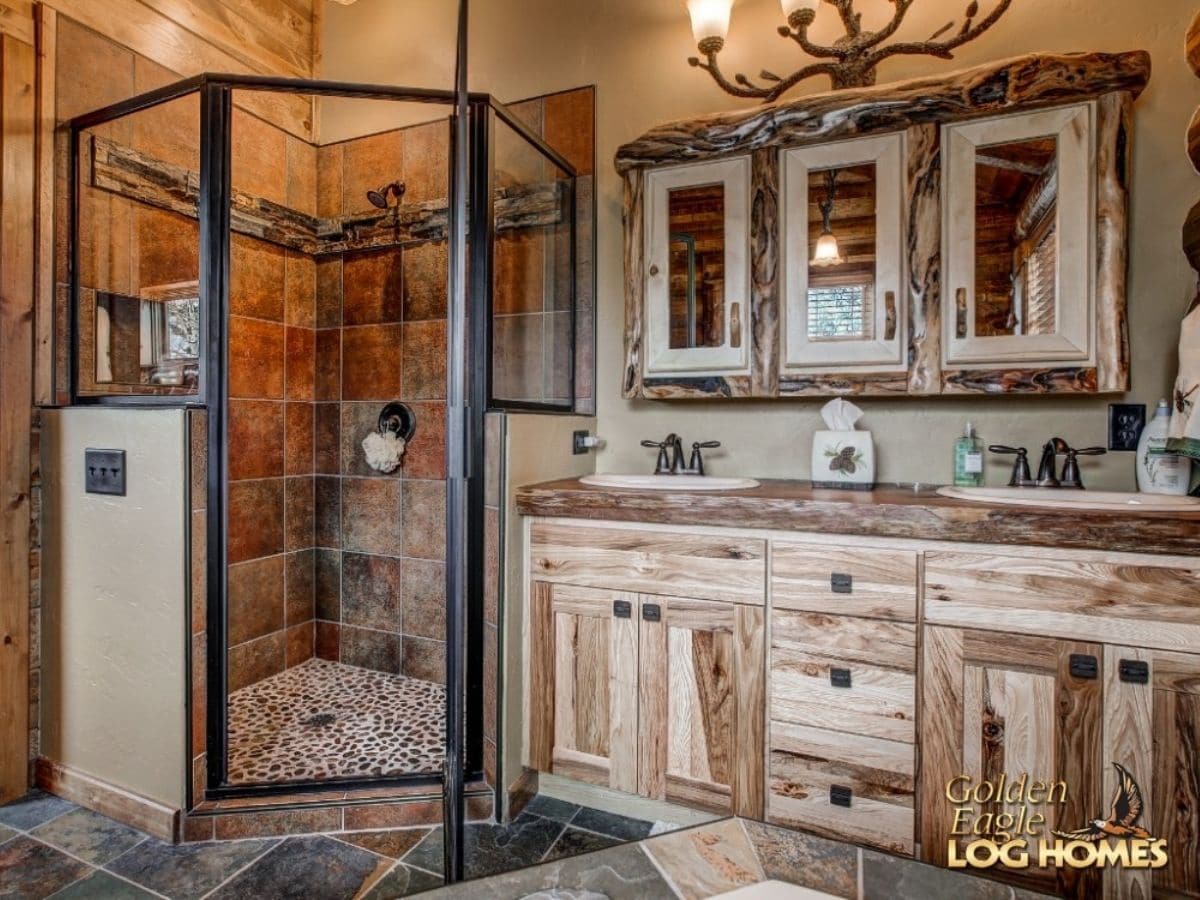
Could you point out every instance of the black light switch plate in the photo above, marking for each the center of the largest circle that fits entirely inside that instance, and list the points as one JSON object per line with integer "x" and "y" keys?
{"x": 104, "y": 472}
{"x": 1125, "y": 424}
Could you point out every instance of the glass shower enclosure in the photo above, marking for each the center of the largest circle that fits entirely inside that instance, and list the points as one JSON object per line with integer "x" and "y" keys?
{"x": 294, "y": 294}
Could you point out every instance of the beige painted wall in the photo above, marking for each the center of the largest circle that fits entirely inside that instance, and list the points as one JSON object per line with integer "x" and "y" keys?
{"x": 635, "y": 53}
{"x": 114, "y": 627}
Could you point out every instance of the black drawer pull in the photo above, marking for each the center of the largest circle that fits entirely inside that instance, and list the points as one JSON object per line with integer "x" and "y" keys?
{"x": 839, "y": 678}
{"x": 1084, "y": 665}
{"x": 622, "y": 609}
{"x": 840, "y": 795}
{"x": 1134, "y": 671}
{"x": 651, "y": 612}
{"x": 841, "y": 583}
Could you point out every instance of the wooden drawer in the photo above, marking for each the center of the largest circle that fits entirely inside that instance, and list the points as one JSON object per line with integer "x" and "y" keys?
{"x": 652, "y": 562}
{"x": 1147, "y": 606}
{"x": 808, "y": 763}
{"x": 856, "y": 676}
{"x": 880, "y": 584}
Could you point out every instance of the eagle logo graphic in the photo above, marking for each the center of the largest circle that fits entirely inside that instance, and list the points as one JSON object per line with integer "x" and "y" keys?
{"x": 1122, "y": 818}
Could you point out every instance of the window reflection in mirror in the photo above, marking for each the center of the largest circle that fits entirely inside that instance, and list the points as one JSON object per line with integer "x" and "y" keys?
{"x": 1016, "y": 242}
{"x": 841, "y": 253}
{"x": 153, "y": 339}
{"x": 697, "y": 266}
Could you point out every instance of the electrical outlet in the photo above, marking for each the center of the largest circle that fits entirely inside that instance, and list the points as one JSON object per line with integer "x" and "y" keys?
{"x": 1125, "y": 424}
{"x": 104, "y": 472}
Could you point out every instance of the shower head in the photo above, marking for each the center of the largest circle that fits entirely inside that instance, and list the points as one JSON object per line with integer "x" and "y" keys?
{"x": 387, "y": 196}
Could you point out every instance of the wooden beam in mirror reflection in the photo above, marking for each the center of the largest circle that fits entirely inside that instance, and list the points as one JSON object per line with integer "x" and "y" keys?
{"x": 137, "y": 176}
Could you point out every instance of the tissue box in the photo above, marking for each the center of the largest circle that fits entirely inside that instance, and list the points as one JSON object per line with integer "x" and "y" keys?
{"x": 844, "y": 460}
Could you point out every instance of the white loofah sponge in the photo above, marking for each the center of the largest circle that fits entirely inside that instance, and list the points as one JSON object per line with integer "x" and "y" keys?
{"x": 383, "y": 451}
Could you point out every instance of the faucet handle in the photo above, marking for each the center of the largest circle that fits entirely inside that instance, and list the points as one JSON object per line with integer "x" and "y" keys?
{"x": 705, "y": 445}
{"x": 655, "y": 444}
{"x": 1001, "y": 448}
{"x": 1021, "y": 476}
{"x": 1070, "y": 474}
{"x": 1089, "y": 451}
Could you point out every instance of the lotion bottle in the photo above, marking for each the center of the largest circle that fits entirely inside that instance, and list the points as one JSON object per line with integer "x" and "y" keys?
{"x": 968, "y": 459}
{"x": 1159, "y": 472}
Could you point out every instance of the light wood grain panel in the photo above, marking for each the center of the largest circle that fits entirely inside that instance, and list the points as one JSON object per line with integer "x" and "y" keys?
{"x": 653, "y": 709}
{"x": 17, "y": 20}
{"x": 1129, "y": 740}
{"x": 749, "y": 654}
{"x": 681, "y": 565}
{"x": 43, "y": 355}
{"x": 1175, "y": 792}
{"x": 888, "y": 645}
{"x": 883, "y": 584}
{"x": 540, "y": 704}
{"x": 1148, "y": 606}
{"x": 924, "y": 236}
{"x": 633, "y": 213}
{"x": 764, "y": 272}
{"x": 17, "y": 165}
{"x": 1114, "y": 163}
{"x": 170, "y": 44}
{"x": 806, "y": 762}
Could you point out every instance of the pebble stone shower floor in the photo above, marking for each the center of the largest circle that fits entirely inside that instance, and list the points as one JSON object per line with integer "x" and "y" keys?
{"x": 324, "y": 719}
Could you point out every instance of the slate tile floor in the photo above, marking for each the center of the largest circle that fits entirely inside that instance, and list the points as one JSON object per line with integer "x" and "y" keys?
{"x": 52, "y": 848}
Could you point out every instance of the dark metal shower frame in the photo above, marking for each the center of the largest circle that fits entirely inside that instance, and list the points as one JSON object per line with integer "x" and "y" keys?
{"x": 216, "y": 92}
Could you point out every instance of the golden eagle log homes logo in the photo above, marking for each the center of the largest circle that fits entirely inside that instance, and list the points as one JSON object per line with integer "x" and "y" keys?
{"x": 1004, "y": 823}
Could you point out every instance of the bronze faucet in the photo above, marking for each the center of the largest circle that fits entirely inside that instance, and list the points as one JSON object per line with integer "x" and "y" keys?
{"x": 670, "y": 456}
{"x": 1047, "y": 475}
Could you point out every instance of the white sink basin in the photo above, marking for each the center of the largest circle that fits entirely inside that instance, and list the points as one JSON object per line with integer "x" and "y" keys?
{"x": 1058, "y": 498}
{"x": 670, "y": 482}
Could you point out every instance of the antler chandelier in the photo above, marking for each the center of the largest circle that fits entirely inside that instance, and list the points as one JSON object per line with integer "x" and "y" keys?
{"x": 849, "y": 62}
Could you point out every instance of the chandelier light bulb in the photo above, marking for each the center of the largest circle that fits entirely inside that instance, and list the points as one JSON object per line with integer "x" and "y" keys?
{"x": 799, "y": 12}
{"x": 710, "y": 23}
{"x": 827, "y": 252}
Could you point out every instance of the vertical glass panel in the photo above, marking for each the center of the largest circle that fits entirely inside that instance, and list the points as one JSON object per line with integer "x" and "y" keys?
{"x": 1016, "y": 241}
{"x": 841, "y": 253}
{"x": 697, "y": 266}
{"x": 533, "y": 355}
{"x": 138, "y": 243}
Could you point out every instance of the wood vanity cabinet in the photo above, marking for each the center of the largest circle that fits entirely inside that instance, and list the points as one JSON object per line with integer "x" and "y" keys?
{"x": 635, "y": 688}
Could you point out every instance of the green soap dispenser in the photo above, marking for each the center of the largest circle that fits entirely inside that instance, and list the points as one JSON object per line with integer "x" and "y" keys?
{"x": 968, "y": 459}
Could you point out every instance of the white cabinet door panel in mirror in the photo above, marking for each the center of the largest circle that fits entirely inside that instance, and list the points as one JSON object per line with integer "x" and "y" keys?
{"x": 697, "y": 269}
{"x": 843, "y": 251}
{"x": 1019, "y": 239}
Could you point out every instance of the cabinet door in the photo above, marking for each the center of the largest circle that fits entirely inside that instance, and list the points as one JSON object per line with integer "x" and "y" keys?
{"x": 583, "y": 688}
{"x": 1005, "y": 705}
{"x": 1152, "y": 728}
{"x": 702, "y": 704}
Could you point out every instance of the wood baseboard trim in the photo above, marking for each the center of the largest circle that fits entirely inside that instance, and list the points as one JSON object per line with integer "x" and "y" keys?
{"x": 117, "y": 803}
{"x": 521, "y": 791}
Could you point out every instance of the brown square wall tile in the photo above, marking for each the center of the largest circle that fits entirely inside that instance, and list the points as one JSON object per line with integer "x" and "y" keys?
{"x": 328, "y": 574}
{"x": 327, "y": 642}
{"x": 328, "y": 377}
{"x": 426, "y": 268}
{"x": 255, "y": 519}
{"x": 256, "y": 279}
{"x": 199, "y": 567}
{"x": 298, "y": 443}
{"x": 256, "y": 439}
{"x": 255, "y": 599}
{"x": 371, "y": 515}
{"x": 378, "y": 650}
{"x": 518, "y": 356}
{"x": 372, "y": 287}
{"x": 519, "y": 274}
{"x": 299, "y": 587}
{"x": 327, "y": 512}
{"x": 301, "y": 175}
{"x": 425, "y": 454}
{"x": 327, "y": 438}
{"x": 426, "y": 161}
{"x": 424, "y": 659}
{"x": 300, "y": 512}
{"x": 425, "y": 519}
{"x": 371, "y": 362}
{"x": 491, "y": 566}
{"x": 198, "y": 457}
{"x": 301, "y": 363}
{"x": 570, "y": 127}
{"x": 256, "y": 354}
{"x": 300, "y": 290}
{"x": 256, "y": 660}
{"x": 424, "y": 360}
{"x": 358, "y": 421}
{"x": 299, "y": 644}
{"x": 370, "y": 163}
{"x": 372, "y": 587}
{"x": 425, "y": 599}
{"x": 329, "y": 180}
{"x": 329, "y": 292}
{"x": 259, "y": 151}
{"x": 168, "y": 248}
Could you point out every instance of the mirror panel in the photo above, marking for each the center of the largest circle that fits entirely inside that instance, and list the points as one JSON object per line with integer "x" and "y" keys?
{"x": 149, "y": 340}
{"x": 696, "y": 223}
{"x": 1016, "y": 237}
{"x": 841, "y": 253}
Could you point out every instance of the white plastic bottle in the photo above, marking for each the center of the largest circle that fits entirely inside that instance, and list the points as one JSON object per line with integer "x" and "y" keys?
{"x": 1159, "y": 472}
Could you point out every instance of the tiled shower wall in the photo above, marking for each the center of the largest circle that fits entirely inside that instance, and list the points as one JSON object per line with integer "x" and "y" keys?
{"x": 381, "y": 336}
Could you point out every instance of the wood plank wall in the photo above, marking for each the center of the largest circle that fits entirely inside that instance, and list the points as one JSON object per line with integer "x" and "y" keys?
{"x": 275, "y": 37}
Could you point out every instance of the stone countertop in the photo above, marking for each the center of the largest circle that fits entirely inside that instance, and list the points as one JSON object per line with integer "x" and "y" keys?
{"x": 895, "y": 512}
